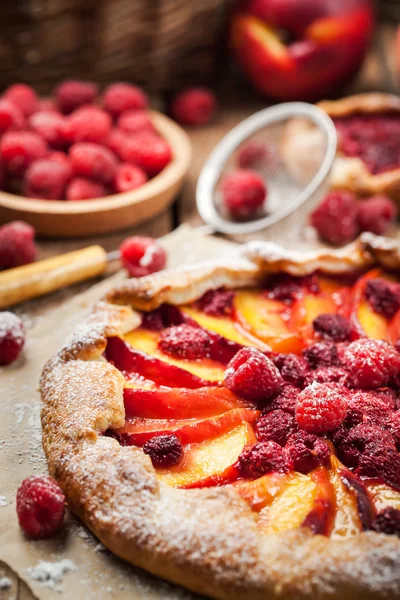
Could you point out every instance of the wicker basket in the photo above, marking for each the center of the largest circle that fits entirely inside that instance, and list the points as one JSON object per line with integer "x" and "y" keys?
{"x": 161, "y": 44}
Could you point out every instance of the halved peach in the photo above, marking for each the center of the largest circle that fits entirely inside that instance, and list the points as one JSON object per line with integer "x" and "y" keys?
{"x": 383, "y": 495}
{"x": 261, "y": 492}
{"x": 180, "y": 403}
{"x": 211, "y": 462}
{"x": 137, "y": 431}
{"x": 347, "y": 521}
{"x": 267, "y": 320}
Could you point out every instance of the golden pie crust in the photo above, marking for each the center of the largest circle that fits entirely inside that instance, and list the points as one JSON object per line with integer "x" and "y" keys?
{"x": 203, "y": 539}
{"x": 302, "y": 148}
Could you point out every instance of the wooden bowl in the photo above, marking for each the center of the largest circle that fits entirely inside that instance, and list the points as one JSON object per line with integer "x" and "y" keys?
{"x": 63, "y": 219}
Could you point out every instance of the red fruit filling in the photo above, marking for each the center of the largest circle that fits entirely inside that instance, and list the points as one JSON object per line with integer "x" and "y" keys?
{"x": 194, "y": 106}
{"x": 306, "y": 451}
{"x": 251, "y": 375}
{"x": 371, "y": 363}
{"x": 40, "y": 507}
{"x": 243, "y": 193}
{"x": 217, "y": 303}
{"x": 142, "y": 255}
{"x": 335, "y": 219}
{"x": 383, "y": 297}
{"x": 377, "y": 214}
{"x": 286, "y": 287}
{"x": 262, "y": 458}
{"x": 293, "y": 368}
{"x": 321, "y": 354}
{"x": 332, "y": 327}
{"x": 164, "y": 450}
{"x": 276, "y": 425}
{"x": 326, "y": 375}
{"x": 387, "y": 521}
{"x": 185, "y": 341}
{"x": 12, "y": 337}
{"x": 382, "y": 461}
{"x": 286, "y": 400}
{"x": 369, "y": 406}
{"x": 320, "y": 408}
{"x": 17, "y": 244}
{"x": 352, "y": 444}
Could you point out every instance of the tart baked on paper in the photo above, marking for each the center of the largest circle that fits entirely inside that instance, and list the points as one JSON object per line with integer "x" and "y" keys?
{"x": 225, "y": 539}
{"x": 368, "y": 156}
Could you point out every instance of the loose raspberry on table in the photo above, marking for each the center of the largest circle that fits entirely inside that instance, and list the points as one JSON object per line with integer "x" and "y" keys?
{"x": 293, "y": 368}
{"x": 147, "y": 151}
{"x": 194, "y": 106}
{"x": 164, "y": 450}
{"x": 116, "y": 141}
{"x": 120, "y": 97}
{"x": 11, "y": 118}
{"x": 87, "y": 124}
{"x": 185, "y": 341}
{"x": 380, "y": 460}
{"x": 80, "y": 188}
{"x": 306, "y": 451}
{"x": 243, "y": 193}
{"x": 136, "y": 121}
{"x": 217, "y": 303}
{"x": 93, "y": 161}
{"x": 326, "y": 375}
{"x": 387, "y": 521}
{"x": 335, "y": 219}
{"x": 253, "y": 376}
{"x": 47, "y": 179}
{"x": 276, "y": 425}
{"x": 321, "y": 408}
{"x": 332, "y": 327}
{"x": 383, "y": 297}
{"x": 286, "y": 400}
{"x": 73, "y": 93}
{"x": 129, "y": 177}
{"x": 353, "y": 443}
{"x": 12, "y": 337}
{"x": 49, "y": 125}
{"x": 23, "y": 97}
{"x": 321, "y": 354}
{"x": 261, "y": 458}
{"x": 377, "y": 214}
{"x": 256, "y": 155}
{"x": 17, "y": 244}
{"x": 19, "y": 149}
{"x": 371, "y": 363}
{"x": 40, "y": 507}
{"x": 142, "y": 255}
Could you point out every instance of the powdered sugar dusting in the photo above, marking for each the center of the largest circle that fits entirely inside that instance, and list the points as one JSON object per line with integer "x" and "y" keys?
{"x": 3, "y": 501}
{"x": 10, "y": 324}
{"x": 50, "y": 574}
{"x": 5, "y": 583}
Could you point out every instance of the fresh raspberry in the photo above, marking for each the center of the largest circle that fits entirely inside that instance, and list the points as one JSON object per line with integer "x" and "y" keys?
{"x": 47, "y": 179}
{"x": 293, "y": 368}
{"x": 195, "y": 106}
{"x": 116, "y": 141}
{"x": 388, "y": 396}
{"x": 128, "y": 177}
{"x": 59, "y": 157}
{"x": 352, "y": 444}
{"x": 260, "y": 459}
{"x": 11, "y": 118}
{"x": 93, "y": 161}
{"x": 47, "y": 105}
{"x": 377, "y": 214}
{"x": 321, "y": 354}
{"x": 72, "y": 94}
{"x": 253, "y": 376}
{"x": 164, "y": 316}
{"x": 286, "y": 400}
{"x": 326, "y": 375}
{"x": 164, "y": 450}
{"x": 383, "y": 297}
{"x": 370, "y": 406}
{"x": 217, "y": 303}
{"x": 49, "y": 125}
{"x": 254, "y": 155}
{"x": 320, "y": 408}
{"x": 371, "y": 363}
{"x": 335, "y": 219}
{"x": 387, "y": 521}
{"x": 19, "y": 149}
{"x": 40, "y": 507}
{"x": 286, "y": 288}
{"x": 276, "y": 425}
{"x": 120, "y": 97}
{"x": 306, "y": 451}
{"x": 185, "y": 341}
{"x": 12, "y": 337}
{"x": 17, "y": 244}
{"x": 23, "y": 97}
{"x": 87, "y": 124}
{"x": 379, "y": 460}
{"x": 80, "y": 188}
{"x": 136, "y": 121}
{"x": 147, "y": 151}
{"x": 243, "y": 193}
{"x": 391, "y": 422}
{"x": 332, "y": 327}
{"x": 142, "y": 256}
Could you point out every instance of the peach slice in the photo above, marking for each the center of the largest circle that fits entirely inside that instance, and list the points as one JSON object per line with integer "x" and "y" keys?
{"x": 147, "y": 341}
{"x": 383, "y": 495}
{"x": 180, "y": 403}
{"x": 306, "y": 309}
{"x": 363, "y": 319}
{"x": 137, "y": 431}
{"x": 307, "y": 501}
{"x": 394, "y": 328}
{"x": 347, "y": 521}
{"x": 211, "y": 462}
{"x": 267, "y": 320}
{"x": 261, "y": 492}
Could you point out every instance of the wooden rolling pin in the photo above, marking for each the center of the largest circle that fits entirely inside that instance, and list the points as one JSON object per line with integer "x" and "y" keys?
{"x": 43, "y": 277}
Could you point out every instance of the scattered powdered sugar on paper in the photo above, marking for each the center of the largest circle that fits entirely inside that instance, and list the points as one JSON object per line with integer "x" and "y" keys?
{"x": 3, "y": 501}
{"x": 5, "y": 583}
{"x": 51, "y": 574}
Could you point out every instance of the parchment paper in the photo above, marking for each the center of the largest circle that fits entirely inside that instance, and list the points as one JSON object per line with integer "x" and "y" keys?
{"x": 98, "y": 574}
